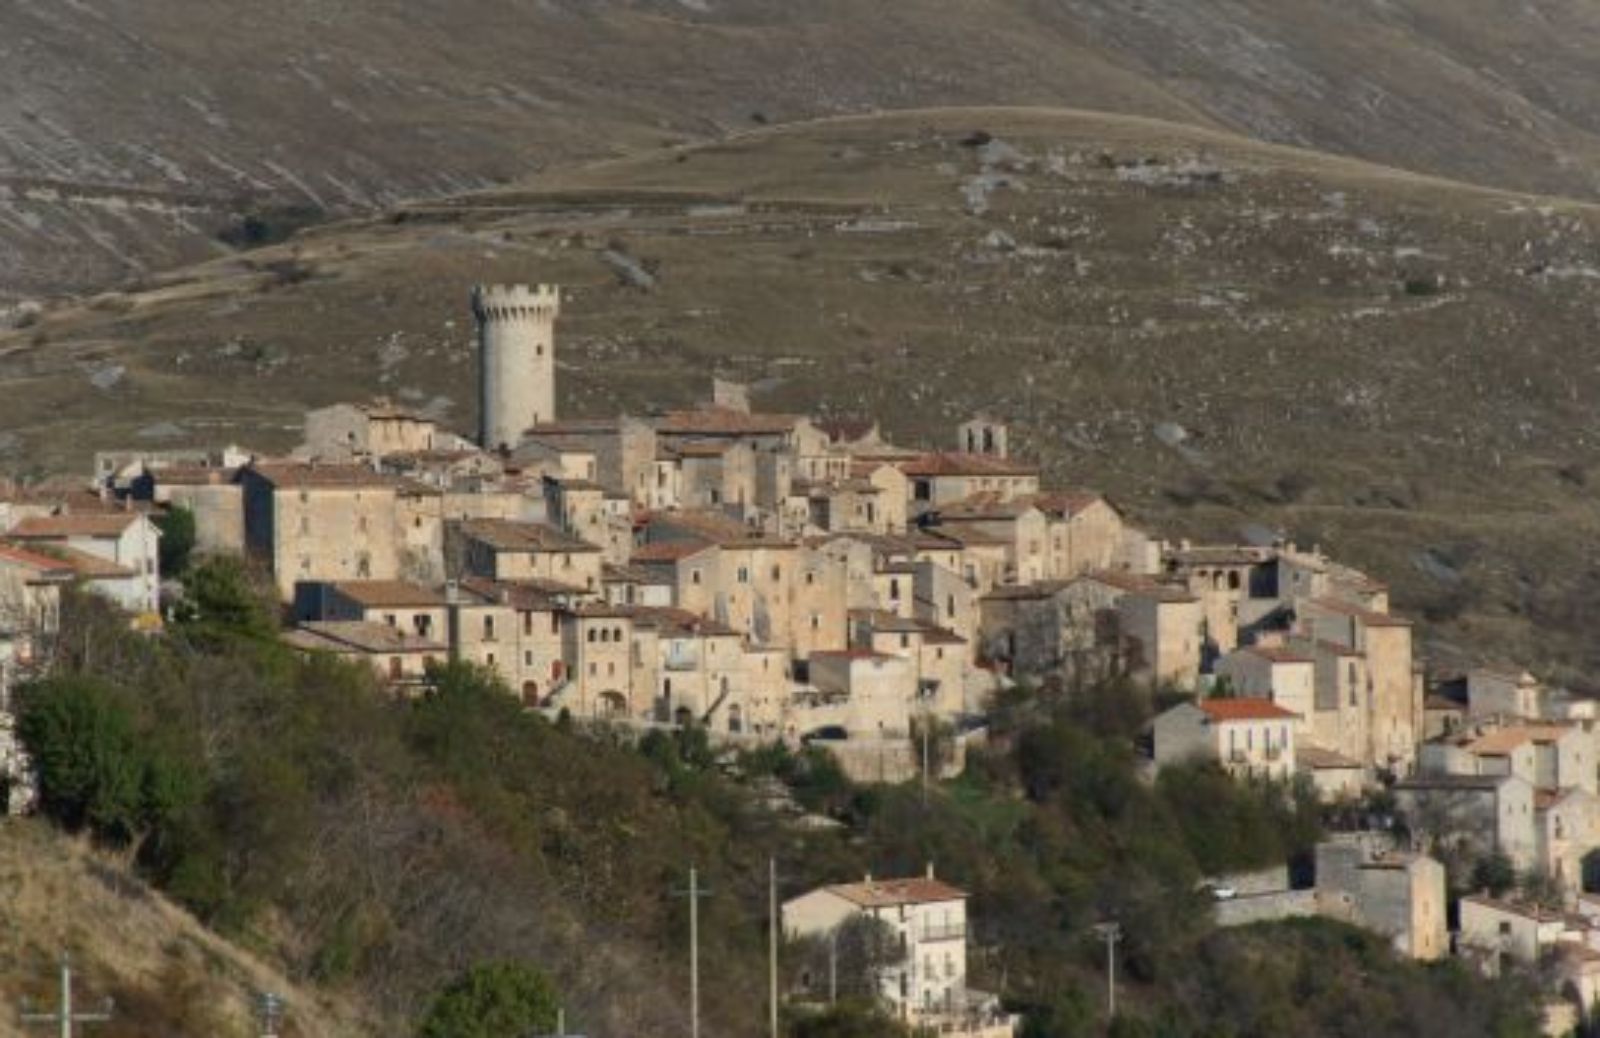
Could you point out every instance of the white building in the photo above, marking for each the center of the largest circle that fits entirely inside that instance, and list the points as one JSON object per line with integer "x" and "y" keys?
{"x": 928, "y": 987}
{"x": 116, "y": 553}
{"x": 1251, "y": 738}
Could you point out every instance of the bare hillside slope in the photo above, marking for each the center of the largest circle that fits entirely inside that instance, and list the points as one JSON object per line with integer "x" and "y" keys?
{"x": 134, "y": 132}
{"x": 1220, "y": 333}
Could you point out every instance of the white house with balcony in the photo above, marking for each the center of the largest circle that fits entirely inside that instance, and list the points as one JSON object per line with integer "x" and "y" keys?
{"x": 1251, "y": 738}
{"x": 927, "y": 987}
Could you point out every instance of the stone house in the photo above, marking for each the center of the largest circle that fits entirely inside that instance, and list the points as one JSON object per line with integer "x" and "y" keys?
{"x": 1477, "y": 814}
{"x": 1250, "y": 738}
{"x": 938, "y": 656}
{"x": 1280, "y": 674}
{"x": 400, "y": 658}
{"x": 1332, "y": 775}
{"x": 503, "y": 549}
{"x": 939, "y": 478}
{"x": 213, "y": 496}
{"x": 309, "y": 521}
{"x": 1567, "y": 833}
{"x": 418, "y": 609}
{"x": 343, "y": 432}
{"x": 867, "y": 694}
{"x": 1394, "y": 694}
{"x": 514, "y": 628}
{"x": 1493, "y": 692}
{"x": 1400, "y": 895}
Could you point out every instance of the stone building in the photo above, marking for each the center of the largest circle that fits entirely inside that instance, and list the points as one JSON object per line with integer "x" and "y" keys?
{"x": 309, "y": 521}
{"x": 1250, "y": 738}
{"x": 1400, "y": 895}
{"x": 117, "y": 553}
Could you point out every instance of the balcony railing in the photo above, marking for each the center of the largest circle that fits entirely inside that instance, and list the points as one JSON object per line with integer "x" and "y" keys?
{"x": 943, "y": 932}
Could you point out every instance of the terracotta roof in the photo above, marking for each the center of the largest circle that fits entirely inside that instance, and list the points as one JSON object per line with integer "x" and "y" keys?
{"x": 953, "y": 463}
{"x": 1244, "y": 709}
{"x": 393, "y": 593}
{"x": 50, "y": 527}
{"x": 93, "y": 567}
{"x": 530, "y": 595}
{"x": 304, "y": 475}
{"x": 725, "y": 421}
{"x": 1137, "y": 584}
{"x": 357, "y": 636}
{"x": 1367, "y": 617}
{"x": 887, "y": 893}
{"x": 668, "y": 551}
{"x": 46, "y": 565}
{"x": 681, "y": 623}
{"x": 517, "y": 536}
{"x": 851, "y": 654}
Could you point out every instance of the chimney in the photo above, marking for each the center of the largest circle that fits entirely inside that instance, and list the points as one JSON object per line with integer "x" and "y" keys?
{"x": 930, "y": 870}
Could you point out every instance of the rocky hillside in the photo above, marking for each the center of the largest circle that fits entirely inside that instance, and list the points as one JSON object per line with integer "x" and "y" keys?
{"x": 1226, "y": 336}
{"x": 166, "y": 974}
{"x": 135, "y": 134}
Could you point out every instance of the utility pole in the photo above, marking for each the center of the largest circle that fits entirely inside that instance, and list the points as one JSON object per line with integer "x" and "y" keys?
{"x": 1111, "y": 933}
{"x": 269, "y": 1008}
{"x": 64, "y": 1015}
{"x": 927, "y": 722}
{"x": 694, "y": 894}
{"x": 772, "y": 944}
{"x": 833, "y": 966}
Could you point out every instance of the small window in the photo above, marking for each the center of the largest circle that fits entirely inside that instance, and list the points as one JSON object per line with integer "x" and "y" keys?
{"x": 488, "y": 628}
{"x": 744, "y": 574}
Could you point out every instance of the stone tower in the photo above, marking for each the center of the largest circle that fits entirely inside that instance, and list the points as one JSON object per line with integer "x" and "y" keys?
{"x": 516, "y": 360}
{"x": 984, "y": 435}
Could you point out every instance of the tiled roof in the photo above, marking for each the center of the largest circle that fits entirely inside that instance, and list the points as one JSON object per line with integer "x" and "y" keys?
{"x": 44, "y": 564}
{"x": 306, "y": 475}
{"x": 1244, "y": 709}
{"x": 513, "y": 535}
{"x": 93, "y": 567}
{"x": 357, "y": 636}
{"x": 392, "y": 593}
{"x": 952, "y": 463}
{"x": 851, "y": 654}
{"x": 1137, "y": 584}
{"x": 725, "y": 421}
{"x": 668, "y": 551}
{"x": 887, "y": 893}
{"x": 530, "y": 595}
{"x": 49, "y": 527}
{"x": 1367, "y": 617}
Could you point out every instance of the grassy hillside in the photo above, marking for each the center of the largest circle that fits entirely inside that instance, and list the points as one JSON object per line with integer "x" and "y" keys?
{"x": 1221, "y": 334}
{"x": 167, "y": 974}
{"x": 379, "y": 847}
{"x": 132, "y": 133}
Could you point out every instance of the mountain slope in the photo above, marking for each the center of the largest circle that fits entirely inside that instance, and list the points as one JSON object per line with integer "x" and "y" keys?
{"x": 1220, "y": 333}
{"x": 133, "y": 132}
{"x": 166, "y": 973}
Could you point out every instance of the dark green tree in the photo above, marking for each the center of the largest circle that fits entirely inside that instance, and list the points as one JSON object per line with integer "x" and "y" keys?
{"x": 493, "y": 1000}
{"x": 177, "y": 540}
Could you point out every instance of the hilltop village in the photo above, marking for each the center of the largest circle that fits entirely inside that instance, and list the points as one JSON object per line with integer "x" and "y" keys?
{"x": 779, "y": 577}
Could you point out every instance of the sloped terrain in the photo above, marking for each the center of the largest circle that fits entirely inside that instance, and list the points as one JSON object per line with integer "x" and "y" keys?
{"x": 166, "y": 974}
{"x": 1223, "y": 335}
{"x": 134, "y": 133}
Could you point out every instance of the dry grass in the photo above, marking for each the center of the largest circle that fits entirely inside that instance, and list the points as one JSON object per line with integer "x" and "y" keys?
{"x": 1395, "y": 366}
{"x": 167, "y": 973}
